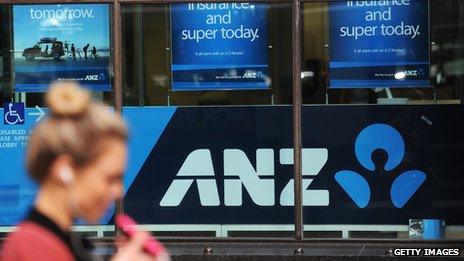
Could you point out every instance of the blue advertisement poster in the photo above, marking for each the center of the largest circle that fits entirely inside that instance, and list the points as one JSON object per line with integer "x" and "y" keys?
{"x": 69, "y": 42}
{"x": 379, "y": 44}
{"x": 219, "y": 46}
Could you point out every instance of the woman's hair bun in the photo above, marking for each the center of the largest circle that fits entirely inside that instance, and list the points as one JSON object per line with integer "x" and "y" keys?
{"x": 67, "y": 99}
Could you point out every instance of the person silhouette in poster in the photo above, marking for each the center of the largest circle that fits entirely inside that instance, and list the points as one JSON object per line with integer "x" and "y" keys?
{"x": 94, "y": 53}
{"x": 53, "y": 51}
{"x": 73, "y": 51}
{"x": 85, "y": 50}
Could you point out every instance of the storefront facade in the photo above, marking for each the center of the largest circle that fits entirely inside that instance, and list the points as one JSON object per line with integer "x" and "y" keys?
{"x": 219, "y": 96}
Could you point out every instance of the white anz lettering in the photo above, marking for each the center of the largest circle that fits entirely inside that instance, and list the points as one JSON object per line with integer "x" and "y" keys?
{"x": 197, "y": 164}
{"x": 237, "y": 164}
{"x": 239, "y": 173}
{"x": 313, "y": 160}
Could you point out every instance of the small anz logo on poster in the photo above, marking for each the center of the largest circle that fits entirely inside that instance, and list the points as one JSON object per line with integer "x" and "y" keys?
{"x": 91, "y": 77}
{"x": 95, "y": 77}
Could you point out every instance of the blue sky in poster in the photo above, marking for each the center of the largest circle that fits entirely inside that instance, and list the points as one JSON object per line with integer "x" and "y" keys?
{"x": 372, "y": 40}
{"x": 75, "y": 23}
{"x": 79, "y": 24}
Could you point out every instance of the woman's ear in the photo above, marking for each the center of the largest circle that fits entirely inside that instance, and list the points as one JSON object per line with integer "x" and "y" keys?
{"x": 66, "y": 175}
{"x": 62, "y": 171}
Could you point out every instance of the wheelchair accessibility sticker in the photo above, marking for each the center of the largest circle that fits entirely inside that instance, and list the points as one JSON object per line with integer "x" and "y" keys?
{"x": 13, "y": 113}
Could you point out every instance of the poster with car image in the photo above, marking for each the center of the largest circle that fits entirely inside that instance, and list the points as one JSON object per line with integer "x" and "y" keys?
{"x": 66, "y": 42}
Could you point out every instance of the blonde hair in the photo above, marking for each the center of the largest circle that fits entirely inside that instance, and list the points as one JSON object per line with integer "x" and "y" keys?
{"x": 75, "y": 127}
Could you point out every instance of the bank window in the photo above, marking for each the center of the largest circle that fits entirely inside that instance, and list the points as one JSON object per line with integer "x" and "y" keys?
{"x": 47, "y": 43}
{"x": 207, "y": 54}
{"x": 362, "y": 52}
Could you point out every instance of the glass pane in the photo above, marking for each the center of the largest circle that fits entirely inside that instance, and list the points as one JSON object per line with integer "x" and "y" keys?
{"x": 55, "y": 46}
{"x": 37, "y": 47}
{"x": 444, "y": 50}
{"x": 149, "y": 47}
{"x": 388, "y": 170}
{"x": 190, "y": 164}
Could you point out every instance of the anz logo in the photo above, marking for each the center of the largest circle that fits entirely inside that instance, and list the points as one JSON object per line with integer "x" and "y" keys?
{"x": 250, "y": 75}
{"x": 95, "y": 77}
{"x": 91, "y": 77}
{"x": 414, "y": 73}
{"x": 385, "y": 137}
{"x": 239, "y": 173}
{"x": 411, "y": 73}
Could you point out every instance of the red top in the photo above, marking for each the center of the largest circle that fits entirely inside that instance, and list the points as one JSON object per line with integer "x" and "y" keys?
{"x": 39, "y": 238}
{"x": 33, "y": 242}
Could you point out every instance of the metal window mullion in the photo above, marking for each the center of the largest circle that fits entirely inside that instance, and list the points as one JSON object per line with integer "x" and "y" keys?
{"x": 117, "y": 80}
{"x": 297, "y": 146}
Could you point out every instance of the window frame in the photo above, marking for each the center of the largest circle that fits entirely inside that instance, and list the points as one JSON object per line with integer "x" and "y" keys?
{"x": 116, "y": 52}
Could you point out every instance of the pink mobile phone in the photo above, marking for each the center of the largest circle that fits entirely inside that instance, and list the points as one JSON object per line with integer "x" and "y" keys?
{"x": 152, "y": 246}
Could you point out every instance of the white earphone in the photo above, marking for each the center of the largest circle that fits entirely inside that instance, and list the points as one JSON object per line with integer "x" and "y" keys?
{"x": 66, "y": 175}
